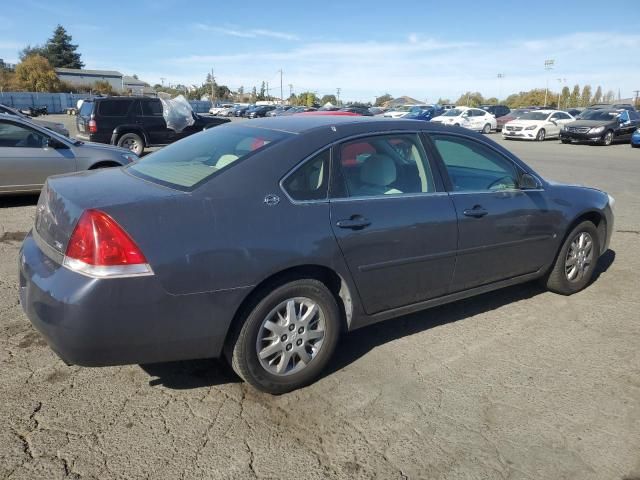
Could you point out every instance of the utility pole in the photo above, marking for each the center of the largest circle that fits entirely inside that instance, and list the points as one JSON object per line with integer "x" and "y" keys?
{"x": 548, "y": 66}
{"x": 338, "y": 96}
{"x": 281, "y": 92}
{"x": 213, "y": 81}
{"x": 290, "y": 89}
{"x": 267, "y": 89}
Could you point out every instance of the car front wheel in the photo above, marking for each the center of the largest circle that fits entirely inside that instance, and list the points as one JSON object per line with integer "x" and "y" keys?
{"x": 576, "y": 260}
{"x": 608, "y": 138}
{"x": 287, "y": 337}
{"x": 541, "y": 135}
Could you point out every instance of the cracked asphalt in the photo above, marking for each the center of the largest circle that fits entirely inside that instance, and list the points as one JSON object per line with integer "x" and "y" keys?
{"x": 515, "y": 384}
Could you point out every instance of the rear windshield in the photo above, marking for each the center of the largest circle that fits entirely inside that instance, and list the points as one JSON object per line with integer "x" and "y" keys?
{"x": 190, "y": 162}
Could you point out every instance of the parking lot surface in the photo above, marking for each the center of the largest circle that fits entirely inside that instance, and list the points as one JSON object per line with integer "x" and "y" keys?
{"x": 515, "y": 384}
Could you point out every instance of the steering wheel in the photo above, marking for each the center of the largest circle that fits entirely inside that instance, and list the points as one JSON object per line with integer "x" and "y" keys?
{"x": 501, "y": 181}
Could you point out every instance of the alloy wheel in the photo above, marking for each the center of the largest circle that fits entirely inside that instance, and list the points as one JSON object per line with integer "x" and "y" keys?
{"x": 608, "y": 138}
{"x": 579, "y": 257}
{"x": 131, "y": 144}
{"x": 291, "y": 336}
{"x": 541, "y": 135}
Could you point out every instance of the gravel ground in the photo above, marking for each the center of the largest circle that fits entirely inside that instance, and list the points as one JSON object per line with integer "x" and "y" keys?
{"x": 515, "y": 384}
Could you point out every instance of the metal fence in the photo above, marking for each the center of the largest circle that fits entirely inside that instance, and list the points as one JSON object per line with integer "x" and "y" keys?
{"x": 59, "y": 102}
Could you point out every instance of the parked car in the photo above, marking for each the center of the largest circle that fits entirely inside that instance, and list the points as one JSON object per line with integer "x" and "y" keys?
{"x": 259, "y": 111}
{"x": 378, "y": 110}
{"x": 496, "y": 110}
{"x": 471, "y": 118}
{"x": 227, "y": 111}
{"x": 216, "y": 109}
{"x": 236, "y": 242}
{"x": 35, "y": 111}
{"x": 425, "y": 114}
{"x": 608, "y": 106}
{"x": 512, "y": 115}
{"x": 55, "y": 126}
{"x": 603, "y": 126}
{"x": 574, "y": 112}
{"x": 537, "y": 125}
{"x": 240, "y": 110}
{"x": 359, "y": 109}
{"x": 133, "y": 122}
{"x": 402, "y": 111}
{"x": 278, "y": 110}
{"x": 298, "y": 109}
{"x": 29, "y": 153}
{"x": 635, "y": 139}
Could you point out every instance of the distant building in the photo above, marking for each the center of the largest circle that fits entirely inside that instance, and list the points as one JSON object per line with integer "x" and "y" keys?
{"x": 136, "y": 86}
{"x": 87, "y": 78}
{"x": 7, "y": 66}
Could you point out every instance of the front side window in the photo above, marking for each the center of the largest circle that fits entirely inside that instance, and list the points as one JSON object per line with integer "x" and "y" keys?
{"x": 473, "y": 167}
{"x": 311, "y": 180}
{"x": 384, "y": 165}
{"x": 192, "y": 161}
{"x": 17, "y": 136}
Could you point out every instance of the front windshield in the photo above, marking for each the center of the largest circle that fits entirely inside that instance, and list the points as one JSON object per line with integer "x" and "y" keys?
{"x": 188, "y": 163}
{"x": 404, "y": 108}
{"x": 534, "y": 116}
{"x": 454, "y": 112}
{"x": 606, "y": 115}
{"x": 418, "y": 112}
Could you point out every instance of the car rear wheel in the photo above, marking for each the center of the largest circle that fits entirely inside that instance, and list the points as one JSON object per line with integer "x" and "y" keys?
{"x": 608, "y": 138}
{"x": 133, "y": 142}
{"x": 576, "y": 260}
{"x": 541, "y": 135}
{"x": 286, "y": 338}
{"x": 487, "y": 129}
{"x": 564, "y": 140}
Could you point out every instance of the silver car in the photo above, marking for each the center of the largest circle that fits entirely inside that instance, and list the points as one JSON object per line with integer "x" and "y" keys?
{"x": 30, "y": 153}
{"x": 55, "y": 126}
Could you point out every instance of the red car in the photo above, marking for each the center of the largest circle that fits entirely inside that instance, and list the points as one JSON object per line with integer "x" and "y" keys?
{"x": 512, "y": 115}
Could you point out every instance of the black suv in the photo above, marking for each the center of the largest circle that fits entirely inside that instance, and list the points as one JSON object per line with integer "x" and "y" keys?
{"x": 496, "y": 110}
{"x": 133, "y": 123}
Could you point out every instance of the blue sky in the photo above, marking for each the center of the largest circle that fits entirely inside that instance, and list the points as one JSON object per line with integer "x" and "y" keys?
{"x": 419, "y": 48}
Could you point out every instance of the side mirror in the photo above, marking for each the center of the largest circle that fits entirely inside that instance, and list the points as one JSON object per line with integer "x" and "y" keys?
{"x": 50, "y": 142}
{"x": 528, "y": 182}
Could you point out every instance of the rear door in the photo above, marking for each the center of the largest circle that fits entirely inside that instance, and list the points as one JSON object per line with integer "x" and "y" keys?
{"x": 149, "y": 116}
{"x": 395, "y": 225}
{"x": 504, "y": 231}
{"x": 83, "y": 117}
{"x": 26, "y": 160}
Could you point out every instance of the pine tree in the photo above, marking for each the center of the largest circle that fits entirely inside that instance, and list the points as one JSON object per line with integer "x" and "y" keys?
{"x": 574, "y": 100}
{"x": 565, "y": 96}
{"x": 60, "y": 52}
{"x": 586, "y": 96}
{"x": 597, "y": 98}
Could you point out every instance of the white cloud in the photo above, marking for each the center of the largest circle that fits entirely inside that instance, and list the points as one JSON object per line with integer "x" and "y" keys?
{"x": 425, "y": 68}
{"x": 248, "y": 33}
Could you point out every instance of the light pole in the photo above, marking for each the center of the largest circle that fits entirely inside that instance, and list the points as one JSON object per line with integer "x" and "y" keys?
{"x": 548, "y": 66}
{"x": 500, "y": 77}
{"x": 561, "y": 81}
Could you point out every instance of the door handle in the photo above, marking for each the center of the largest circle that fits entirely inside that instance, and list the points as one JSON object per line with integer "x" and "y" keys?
{"x": 477, "y": 212}
{"x": 356, "y": 222}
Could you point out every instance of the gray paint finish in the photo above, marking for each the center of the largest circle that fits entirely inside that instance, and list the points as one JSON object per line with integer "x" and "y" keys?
{"x": 211, "y": 247}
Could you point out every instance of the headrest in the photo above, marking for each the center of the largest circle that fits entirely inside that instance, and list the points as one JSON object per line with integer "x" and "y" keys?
{"x": 378, "y": 169}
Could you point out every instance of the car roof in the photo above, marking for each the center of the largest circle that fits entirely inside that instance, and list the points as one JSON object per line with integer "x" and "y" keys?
{"x": 298, "y": 124}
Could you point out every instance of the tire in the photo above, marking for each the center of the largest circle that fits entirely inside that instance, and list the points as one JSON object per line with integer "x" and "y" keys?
{"x": 242, "y": 348}
{"x": 608, "y": 138}
{"x": 635, "y": 146}
{"x": 486, "y": 129}
{"x": 559, "y": 280}
{"x": 565, "y": 141}
{"x": 541, "y": 135}
{"x": 133, "y": 142}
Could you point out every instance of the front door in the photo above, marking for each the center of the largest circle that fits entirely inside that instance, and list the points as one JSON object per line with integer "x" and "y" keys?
{"x": 504, "y": 231}
{"x": 151, "y": 118}
{"x": 395, "y": 225}
{"x": 26, "y": 160}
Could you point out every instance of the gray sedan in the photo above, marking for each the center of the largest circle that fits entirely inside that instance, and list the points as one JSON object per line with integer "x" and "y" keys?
{"x": 265, "y": 242}
{"x": 30, "y": 153}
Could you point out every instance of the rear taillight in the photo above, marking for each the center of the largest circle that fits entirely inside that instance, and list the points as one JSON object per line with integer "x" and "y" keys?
{"x": 93, "y": 126}
{"x": 99, "y": 247}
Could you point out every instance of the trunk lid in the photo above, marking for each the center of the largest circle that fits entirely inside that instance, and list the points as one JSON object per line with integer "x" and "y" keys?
{"x": 64, "y": 198}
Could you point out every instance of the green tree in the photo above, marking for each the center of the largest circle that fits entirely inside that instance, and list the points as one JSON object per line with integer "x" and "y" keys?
{"x": 60, "y": 52}
{"x": 307, "y": 99}
{"x": 564, "y": 97}
{"x": 329, "y": 99}
{"x": 443, "y": 101}
{"x": 574, "y": 99}
{"x": 585, "y": 98}
{"x": 29, "y": 50}
{"x": 597, "y": 97}
{"x": 471, "y": 99}
{"x": 261, "y": 95}
{"x": 35, "y": 74}
{"x": 609, "y": 97}
{"x": 254, "y": 94}
{"x": 382, "y": 99}
{"x": 103, "y": 87}
{"x": 492, "y": 101}
{"x": 293, "y": 99}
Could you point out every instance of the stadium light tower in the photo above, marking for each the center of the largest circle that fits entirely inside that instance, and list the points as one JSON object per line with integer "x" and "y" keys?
{"x": 548, "y": 66}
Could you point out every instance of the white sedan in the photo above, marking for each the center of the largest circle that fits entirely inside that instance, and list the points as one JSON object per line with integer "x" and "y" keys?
{"x": 471, "y": 118}
{"x": 537, "y": 125}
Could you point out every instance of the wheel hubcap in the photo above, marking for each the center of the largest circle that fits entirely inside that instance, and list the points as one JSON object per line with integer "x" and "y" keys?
{"x": 131, "y": 144}
{"x": 291, "y": 336}
{"x": 579, "y": 257}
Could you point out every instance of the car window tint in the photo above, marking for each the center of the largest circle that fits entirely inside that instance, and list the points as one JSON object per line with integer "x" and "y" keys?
{"x": 473, "y": 166}
{"x": 17, "y": 136}
{"x": 311, "y": 180}
{"x": 86, "y": 108}
{"x": 195, "y": 159}
{"x": 385, "y": 165}
{"x": 152, "y": 108}
{"x": 114, "y": 108}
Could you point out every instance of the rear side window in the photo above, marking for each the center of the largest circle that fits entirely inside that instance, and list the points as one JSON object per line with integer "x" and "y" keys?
{"x": 311, "y": 180}
{"x": 115, "y": 108}
{"x": 187, "y": 164}
{"x": 152, "y": 108}
{"x": 86, "y": 109}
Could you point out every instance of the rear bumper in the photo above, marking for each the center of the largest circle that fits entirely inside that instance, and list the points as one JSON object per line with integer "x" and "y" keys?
{"x": 100, "y": 322}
